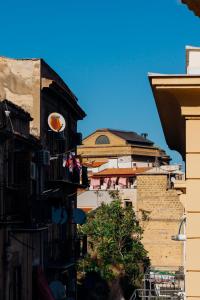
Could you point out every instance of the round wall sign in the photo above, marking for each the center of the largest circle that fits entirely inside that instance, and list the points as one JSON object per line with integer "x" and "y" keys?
{"x": 56, "y": 122}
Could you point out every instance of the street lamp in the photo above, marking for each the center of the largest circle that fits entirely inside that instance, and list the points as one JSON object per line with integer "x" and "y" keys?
{"x": 180, "y": 236}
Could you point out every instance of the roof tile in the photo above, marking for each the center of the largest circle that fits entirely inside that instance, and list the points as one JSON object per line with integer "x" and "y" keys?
{"x": 120, "y": 171}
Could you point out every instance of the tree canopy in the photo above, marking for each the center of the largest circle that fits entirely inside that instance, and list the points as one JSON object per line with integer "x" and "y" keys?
{"x": 114, "y": 241}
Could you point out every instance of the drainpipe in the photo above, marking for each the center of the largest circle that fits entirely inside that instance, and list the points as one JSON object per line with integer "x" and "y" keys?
{"x": 7, "y": 259}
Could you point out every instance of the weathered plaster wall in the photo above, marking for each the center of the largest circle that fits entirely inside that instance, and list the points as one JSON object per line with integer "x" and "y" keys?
{"x": 20, "y": 83}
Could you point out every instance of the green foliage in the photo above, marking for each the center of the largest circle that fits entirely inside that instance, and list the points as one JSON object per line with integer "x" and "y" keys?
{"x": 114, "y": 239}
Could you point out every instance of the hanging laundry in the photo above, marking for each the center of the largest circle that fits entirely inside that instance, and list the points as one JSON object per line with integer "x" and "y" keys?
{"x": 70, "y": 162}
{"x": 106, "y": 182}
{"x": 95, "y": 182}
{"x": 77, "y": 164}
{"x": 64, "y": 160}
{"x": 73, "y": 167}
{"x": 122, "y": 181}
{"x": 113, "y": 181}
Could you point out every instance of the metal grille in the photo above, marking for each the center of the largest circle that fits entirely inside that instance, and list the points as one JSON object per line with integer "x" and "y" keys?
{"x": 161, "y": 286}
{"x": 153, "y": 294}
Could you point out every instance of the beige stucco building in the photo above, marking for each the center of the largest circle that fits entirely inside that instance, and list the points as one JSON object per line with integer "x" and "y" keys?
{"x": 105, "y": 144}
{"x": 178, "y": 101}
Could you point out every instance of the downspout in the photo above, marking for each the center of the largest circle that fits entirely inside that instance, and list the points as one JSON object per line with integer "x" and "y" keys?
{"x": 7, "y": 257}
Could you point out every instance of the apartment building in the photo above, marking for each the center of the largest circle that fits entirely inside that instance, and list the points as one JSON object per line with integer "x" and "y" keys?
{"x": 40, "y": 175}
{"x": 177, "y": 99}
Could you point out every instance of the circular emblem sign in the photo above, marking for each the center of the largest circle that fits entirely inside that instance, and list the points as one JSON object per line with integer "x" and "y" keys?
{"x": 56, "y": 122}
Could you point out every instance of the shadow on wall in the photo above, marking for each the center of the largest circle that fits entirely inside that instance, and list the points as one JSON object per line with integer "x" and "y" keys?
{"x": 94, "y": 287}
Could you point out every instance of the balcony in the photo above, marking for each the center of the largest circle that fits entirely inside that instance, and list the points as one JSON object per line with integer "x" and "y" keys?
{"x": 99, "y": 184}
{"x": 58, "y": 173}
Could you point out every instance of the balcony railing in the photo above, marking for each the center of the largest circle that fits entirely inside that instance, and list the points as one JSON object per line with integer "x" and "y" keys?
{"x": 57, "y": 171}
{"x": 114, "y": 187}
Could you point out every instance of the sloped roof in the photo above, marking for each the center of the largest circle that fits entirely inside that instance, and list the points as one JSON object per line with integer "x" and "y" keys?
{"x": 94, "y": 164}
{"x": 130, "y": 136}
{"x": 120, "y": 172}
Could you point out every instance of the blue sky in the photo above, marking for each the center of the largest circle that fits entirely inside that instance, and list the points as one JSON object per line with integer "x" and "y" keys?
{"x": 103, "y": 50}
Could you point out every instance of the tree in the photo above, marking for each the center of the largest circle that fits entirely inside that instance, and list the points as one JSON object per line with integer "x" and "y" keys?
{"x": 114, "y": 242}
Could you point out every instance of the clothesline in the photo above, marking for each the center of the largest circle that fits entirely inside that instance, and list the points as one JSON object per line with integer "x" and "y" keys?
{"x": 64, "y": 153}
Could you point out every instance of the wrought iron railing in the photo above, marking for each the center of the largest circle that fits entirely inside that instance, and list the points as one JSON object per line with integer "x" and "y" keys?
{"x": 148, "y": 294}
{"x": 59, "y": 172}
{"x": 163, "y": 285}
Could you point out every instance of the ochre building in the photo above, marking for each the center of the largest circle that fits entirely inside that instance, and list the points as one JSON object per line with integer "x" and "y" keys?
{"x": 159, "y": 211}
{"x": 104, "y": 144}
{"x": 178, "y": 101}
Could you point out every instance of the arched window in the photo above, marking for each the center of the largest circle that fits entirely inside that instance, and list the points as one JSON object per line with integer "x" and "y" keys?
{"x": 102, "y": 139}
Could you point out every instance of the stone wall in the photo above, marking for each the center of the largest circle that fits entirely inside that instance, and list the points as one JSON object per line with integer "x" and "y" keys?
{"x": 159, "y": 211}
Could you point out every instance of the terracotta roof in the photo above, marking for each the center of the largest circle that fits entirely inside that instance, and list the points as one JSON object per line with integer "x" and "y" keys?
{"x": 86, "y": 209}
{"x": 120, "y": 172}
{"x": 193, "y": 5}
{"x": 94, "y": 164}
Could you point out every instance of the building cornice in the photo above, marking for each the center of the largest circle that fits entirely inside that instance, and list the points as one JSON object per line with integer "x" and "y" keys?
{"x": 177, "y": 97}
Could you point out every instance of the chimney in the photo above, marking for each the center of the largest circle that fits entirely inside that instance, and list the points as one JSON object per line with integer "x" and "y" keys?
{"x": 192, "y": 60}
{"x": 144, "y": 135}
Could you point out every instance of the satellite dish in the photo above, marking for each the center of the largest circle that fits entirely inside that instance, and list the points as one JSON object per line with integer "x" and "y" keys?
{"x": 59, "y": 215}
{"x": 58, "y": 289}
{"x": 79, "y": 216}
{"x": 56, "y": 122}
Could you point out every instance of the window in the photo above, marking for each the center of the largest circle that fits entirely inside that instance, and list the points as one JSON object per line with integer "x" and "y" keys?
{"x": 128, "y": 203}
{"x": 102, "y": 139}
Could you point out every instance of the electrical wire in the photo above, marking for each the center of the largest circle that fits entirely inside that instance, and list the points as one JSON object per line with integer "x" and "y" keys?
{"x": 55, "y": 156}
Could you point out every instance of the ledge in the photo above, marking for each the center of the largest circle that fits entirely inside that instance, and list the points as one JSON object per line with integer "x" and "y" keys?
{"x": 180, "y": 185}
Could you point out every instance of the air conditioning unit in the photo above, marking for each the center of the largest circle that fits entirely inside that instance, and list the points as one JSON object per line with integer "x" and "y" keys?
{"x": 33, "y": 171}
{"x": 43, "y": 158}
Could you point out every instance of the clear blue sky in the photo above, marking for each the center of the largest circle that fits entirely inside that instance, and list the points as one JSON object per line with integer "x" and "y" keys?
{"x": 103, "y": 49}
